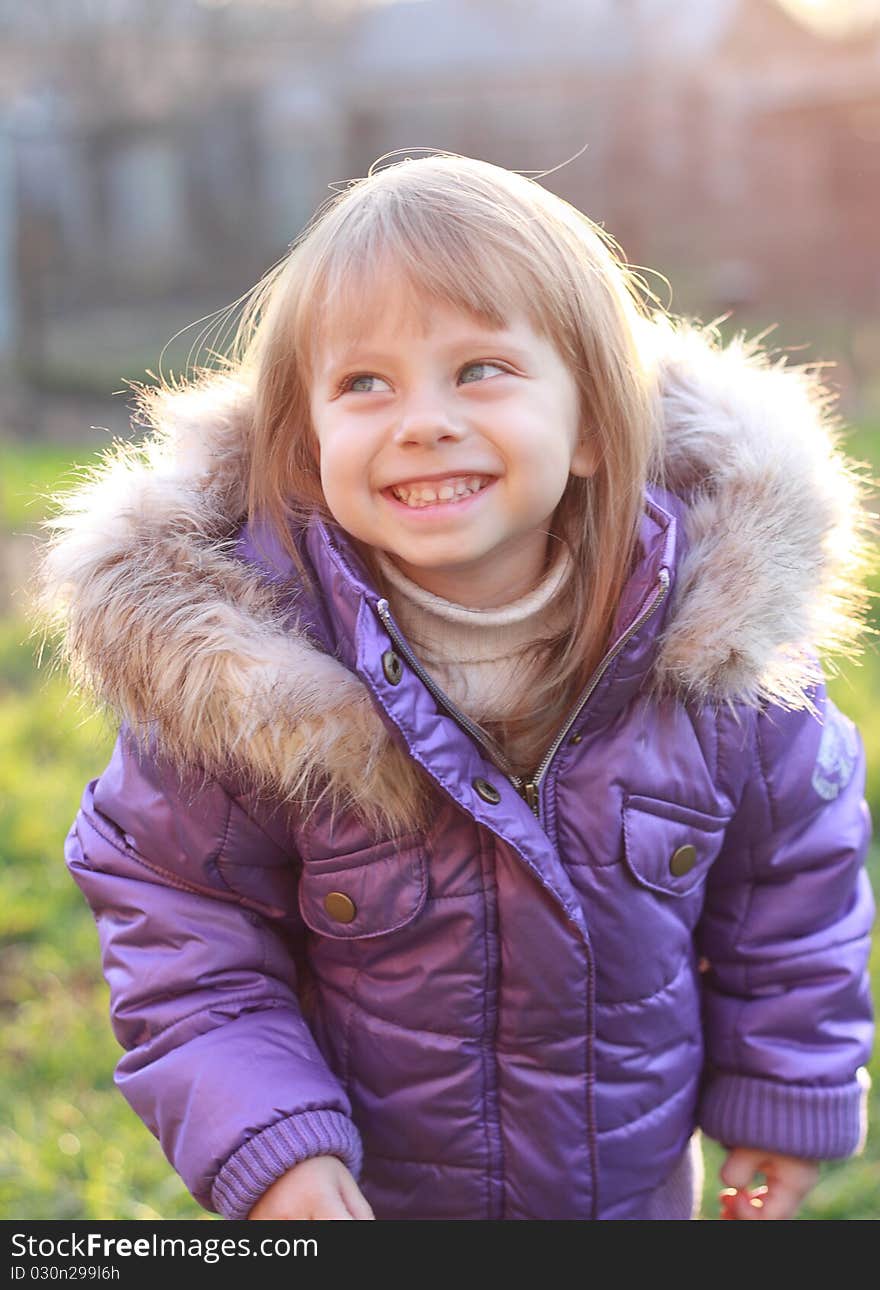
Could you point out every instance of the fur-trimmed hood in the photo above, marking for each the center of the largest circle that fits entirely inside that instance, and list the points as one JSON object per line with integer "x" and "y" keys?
{"x": 160, "y": 622}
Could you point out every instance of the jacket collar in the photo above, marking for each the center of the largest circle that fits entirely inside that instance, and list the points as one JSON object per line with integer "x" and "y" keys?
{"x": 346, "y": 586}
{"x": 643, "y": 609}
{"x": 186, "y": 624}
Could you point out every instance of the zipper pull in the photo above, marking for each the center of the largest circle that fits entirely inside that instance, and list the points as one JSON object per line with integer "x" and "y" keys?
{"x": 530, "y": 793}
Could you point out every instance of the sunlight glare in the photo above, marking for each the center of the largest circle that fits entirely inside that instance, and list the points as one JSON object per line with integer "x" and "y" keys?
{"x": 835, "y": 17}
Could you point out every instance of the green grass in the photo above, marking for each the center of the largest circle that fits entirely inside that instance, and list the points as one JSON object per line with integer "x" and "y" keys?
{"x": 28, "y": 471}
{"x": 69, "y": 1145}
{"x": 70, "y": 1148}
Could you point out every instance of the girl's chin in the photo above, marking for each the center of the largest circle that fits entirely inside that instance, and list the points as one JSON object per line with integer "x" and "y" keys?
{"x": 413, "y": 560}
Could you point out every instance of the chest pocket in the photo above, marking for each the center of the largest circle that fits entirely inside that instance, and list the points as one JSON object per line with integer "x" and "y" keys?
{"x": 365, "y": 893}
{"x": 669, "y": 848}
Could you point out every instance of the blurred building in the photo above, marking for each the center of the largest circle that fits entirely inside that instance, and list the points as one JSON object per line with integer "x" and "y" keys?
{"x": 156, "y": 148}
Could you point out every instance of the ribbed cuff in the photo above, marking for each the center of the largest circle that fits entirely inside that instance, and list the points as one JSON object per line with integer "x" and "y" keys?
{"x": 256, "y": 1165}
{"x": 814, "y": 1123}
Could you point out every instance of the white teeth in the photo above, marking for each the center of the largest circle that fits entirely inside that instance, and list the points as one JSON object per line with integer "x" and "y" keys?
{"x": 426, "y": 494}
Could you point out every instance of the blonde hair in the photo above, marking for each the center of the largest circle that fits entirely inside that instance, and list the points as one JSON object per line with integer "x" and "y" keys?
{"x": 495, "y": 243}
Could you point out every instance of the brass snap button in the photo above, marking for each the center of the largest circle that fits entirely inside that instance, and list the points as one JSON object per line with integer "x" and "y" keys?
{"x": 683, "y": 860}
{"x": 487, "y": 791}
{"x": 340, "y": 906}
{"x": 392, "y": 667}
{"x": 575, "y": 739}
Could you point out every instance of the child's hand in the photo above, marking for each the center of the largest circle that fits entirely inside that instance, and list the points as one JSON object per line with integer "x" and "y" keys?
{"x": 788, "y": 1181}
{"x": 319, "y": 1187}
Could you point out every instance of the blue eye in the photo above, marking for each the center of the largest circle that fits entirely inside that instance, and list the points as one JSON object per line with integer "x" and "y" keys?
{"x": 352, "y": 383}
{"x": 471, "y": 366}
{"x": 359, "y": 384}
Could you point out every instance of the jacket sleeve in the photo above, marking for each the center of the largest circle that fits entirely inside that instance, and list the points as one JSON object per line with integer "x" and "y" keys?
{"x": 785, "y": 935}
{"x": 219, "y": 1060}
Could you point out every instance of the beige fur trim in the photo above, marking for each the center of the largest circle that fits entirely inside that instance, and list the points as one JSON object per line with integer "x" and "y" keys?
{"x": 159, "y": 622}
{"x": 780, "y": 541}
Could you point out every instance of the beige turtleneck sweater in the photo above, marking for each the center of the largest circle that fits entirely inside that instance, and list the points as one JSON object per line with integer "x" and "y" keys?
{"x": 474, "y": 654}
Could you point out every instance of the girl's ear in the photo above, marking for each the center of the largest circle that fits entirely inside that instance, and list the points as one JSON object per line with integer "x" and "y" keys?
{"x": 585, "y": 456}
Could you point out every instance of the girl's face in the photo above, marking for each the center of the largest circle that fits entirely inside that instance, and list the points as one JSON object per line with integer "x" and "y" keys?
{"x": 428, "y": 406}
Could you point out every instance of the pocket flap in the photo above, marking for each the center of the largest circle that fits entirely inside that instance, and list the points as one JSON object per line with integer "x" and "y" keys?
{"x": 370, "y": 893}
{"x": 669, "y": 847}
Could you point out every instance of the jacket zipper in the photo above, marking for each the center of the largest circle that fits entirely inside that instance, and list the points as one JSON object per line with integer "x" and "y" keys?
{"x": 531, "y": 786}
{"x": 528, "y": 787}
{"x": 494, "y": 749}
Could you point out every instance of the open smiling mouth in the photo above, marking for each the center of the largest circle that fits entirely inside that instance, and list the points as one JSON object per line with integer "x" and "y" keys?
{"x": 439, "y": 493}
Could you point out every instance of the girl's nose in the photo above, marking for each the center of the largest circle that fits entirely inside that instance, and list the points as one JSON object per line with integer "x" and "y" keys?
{"x": 429, "y": 422}
{"x": 426, "y": 430}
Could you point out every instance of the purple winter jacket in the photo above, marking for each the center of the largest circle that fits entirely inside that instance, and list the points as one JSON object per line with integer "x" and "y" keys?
{"x": 506, "y": 1013}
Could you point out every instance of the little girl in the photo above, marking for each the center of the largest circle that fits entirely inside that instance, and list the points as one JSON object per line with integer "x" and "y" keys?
{"x": 479, "y": 828}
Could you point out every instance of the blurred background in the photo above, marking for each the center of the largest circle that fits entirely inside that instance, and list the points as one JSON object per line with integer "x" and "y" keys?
{"x": 158, "y": 156}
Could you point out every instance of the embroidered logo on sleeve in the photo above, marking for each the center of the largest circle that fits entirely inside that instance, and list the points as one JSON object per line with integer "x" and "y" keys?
{"x": 837, "y": 756}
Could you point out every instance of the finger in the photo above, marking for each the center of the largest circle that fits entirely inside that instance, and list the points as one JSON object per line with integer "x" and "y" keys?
{"x": 354, "y": 1198}
{"x": 749, "y": 1205}
{"x": 779, "y": 1202}
{"x": 796, "y": 1176}
{"x": 740, "y": 1167}
{"x": 726, "y": 1201}
{"x": 329, "y": 1204}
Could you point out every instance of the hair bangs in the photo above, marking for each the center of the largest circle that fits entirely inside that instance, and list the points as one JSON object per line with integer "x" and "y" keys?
{"x": 414, "y": 252}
